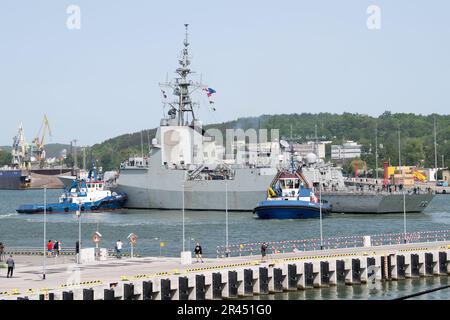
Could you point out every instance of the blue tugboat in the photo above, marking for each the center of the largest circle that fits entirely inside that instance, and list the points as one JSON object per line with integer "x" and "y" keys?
{"x": 83, "y": 195}
{"x": 287, "y": 198}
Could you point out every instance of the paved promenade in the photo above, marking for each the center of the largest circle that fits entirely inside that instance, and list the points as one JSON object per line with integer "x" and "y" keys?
{"x": 63, "y": 274}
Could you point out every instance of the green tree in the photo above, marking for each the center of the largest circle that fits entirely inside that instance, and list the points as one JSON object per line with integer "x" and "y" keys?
{"x": 5, "y": 158}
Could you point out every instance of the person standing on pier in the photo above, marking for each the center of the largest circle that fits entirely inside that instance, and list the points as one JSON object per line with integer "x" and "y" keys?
{"x": 118, "y": 248}
{"x": 10, "y": 263}
{"x": 56, "y": 248}
{"x": 2, "y": 251}
{"x": 198, "y": 252}
{"x": 49, "y": 247}
{"x": 263, "y": 251}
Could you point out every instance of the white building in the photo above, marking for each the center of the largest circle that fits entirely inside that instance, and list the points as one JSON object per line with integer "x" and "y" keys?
{"x": 348, "y": 150}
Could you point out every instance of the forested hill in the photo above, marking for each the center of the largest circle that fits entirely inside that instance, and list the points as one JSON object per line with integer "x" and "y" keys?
{"x": 416, "y": 132}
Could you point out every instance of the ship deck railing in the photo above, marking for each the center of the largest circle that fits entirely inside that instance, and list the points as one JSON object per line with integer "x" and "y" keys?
{"x": 356, "y": 241}
{"x": 376, "y": 192}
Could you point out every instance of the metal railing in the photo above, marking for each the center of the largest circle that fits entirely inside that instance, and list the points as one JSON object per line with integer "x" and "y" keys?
{"x": 36, "y": 251}
{"x": 288, "y": 246}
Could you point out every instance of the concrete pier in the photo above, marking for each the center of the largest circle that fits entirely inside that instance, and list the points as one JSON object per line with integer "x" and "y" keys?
{"x": 227, "y": 278}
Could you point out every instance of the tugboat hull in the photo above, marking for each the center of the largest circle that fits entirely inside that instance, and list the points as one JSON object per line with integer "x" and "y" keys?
{"x": 109, "y": 203}
{"x": 286, "y": 209}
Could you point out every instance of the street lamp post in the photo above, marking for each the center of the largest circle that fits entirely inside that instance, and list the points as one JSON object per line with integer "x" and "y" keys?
{"x": 404, "y": 214}
{"x": 79, "y": 233}
{"x": 320, "y": 211}
{"x": 45, "y": 232}
{"x": 226, "y": 219}
{"x": 183, "y": 223}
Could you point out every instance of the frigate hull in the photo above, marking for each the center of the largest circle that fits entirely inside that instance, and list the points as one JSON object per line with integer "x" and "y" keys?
{"x": 164, "y": 190}
{"x": 376, "y": 203}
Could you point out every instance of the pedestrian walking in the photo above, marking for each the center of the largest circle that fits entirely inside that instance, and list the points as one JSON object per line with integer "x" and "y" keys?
{"x": 56, "y": 248}
{"x": 198, "y": 252}
{"x": 2, "y": 251}
{"x": 263, "y": 251}
{"x": 118, "y": 249}
{"x": 49, "y": 247}
{"x": 11, "y": 265}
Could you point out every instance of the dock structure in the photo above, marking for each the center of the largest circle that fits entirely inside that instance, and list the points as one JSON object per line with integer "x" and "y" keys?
{"x": 232, "y": 277}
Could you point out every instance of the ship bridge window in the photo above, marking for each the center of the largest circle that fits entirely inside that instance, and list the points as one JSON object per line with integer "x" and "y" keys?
{"x": 100, "y": 185}
{"x": 289, "y": 184}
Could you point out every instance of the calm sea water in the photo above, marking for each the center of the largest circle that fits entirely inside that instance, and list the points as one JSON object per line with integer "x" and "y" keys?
{"x": 208, "y": 228}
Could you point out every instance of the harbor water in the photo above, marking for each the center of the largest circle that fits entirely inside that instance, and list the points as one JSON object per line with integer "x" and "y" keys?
{"x": 160, "y": 232}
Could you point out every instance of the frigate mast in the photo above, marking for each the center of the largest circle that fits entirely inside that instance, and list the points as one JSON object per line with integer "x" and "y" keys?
{"x": 181, "y": 86}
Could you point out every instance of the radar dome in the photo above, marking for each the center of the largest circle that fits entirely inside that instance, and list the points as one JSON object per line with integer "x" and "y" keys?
{"x": 311, "y": 158}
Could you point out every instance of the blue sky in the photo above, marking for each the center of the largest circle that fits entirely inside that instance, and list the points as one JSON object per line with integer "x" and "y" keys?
{"x": 262, "y": 57}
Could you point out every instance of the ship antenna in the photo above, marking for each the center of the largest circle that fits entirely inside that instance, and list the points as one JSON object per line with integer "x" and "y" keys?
{"x": 186, "y": 43}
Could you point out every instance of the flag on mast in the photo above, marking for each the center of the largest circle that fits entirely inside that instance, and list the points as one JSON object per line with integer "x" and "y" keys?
{"x": 209, "y": 92}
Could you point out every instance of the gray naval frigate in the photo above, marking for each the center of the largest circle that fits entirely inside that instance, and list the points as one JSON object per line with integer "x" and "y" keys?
{"x": 185, "y": 168}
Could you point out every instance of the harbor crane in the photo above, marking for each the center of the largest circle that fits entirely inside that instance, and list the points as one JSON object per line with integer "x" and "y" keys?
{"x": 38, "y": 142}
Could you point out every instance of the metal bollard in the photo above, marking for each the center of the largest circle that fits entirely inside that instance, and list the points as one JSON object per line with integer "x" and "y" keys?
{"x": 340, "y": 272}
{"x": 232, "y": 284}
{"x": 428, "y": 264}
{"x": 371, "y": 270}
{"x": 248, "y": 281}
{"x": 356, "y": 271}
{"x": 277, "y": 280}
{"x": 183, "y": 288}
{"x": 415, "y": 267}
{"x": 308, "y": 274}
{"x": 401, "y": 268}
{"x": 88, "y": 294}
{"x": 67, "y": 295}
{"x": 128, "y": 291}
{"x": 292, "y": 282}
{"x": 200, "y": 287}
{"x": 108, "y": 294}
{"x": 443, "y": 263}
{"x": 217, "y": 285}
{"x": 324, "y": 273}
{"x": 165, "y": 289}
{"x": 263, "y": 280}
{"x": 147, "y": 290}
